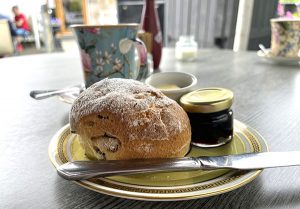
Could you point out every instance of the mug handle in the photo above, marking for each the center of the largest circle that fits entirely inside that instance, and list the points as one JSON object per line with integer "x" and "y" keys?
{"x": 142, "y": 53}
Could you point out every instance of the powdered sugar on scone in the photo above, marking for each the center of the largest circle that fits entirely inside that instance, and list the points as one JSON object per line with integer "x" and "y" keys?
{"x": 135, "y": 103}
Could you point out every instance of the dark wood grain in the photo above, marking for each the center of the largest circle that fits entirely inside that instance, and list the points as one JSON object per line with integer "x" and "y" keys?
{"x": 267, "y": 97}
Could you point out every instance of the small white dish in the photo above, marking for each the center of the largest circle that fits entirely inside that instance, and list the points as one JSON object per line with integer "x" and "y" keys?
{"x": 172, "y": 84}
{"x": 277, "y": 59}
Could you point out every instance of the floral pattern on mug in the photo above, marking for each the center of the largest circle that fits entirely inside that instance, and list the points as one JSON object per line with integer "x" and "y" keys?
{"x": 285, "y": 38}
{"x": 101, "y": 55}
{"x": 94, "y": 30}
{"x": 86, "y": 61}
{"x": 117, "y": 65}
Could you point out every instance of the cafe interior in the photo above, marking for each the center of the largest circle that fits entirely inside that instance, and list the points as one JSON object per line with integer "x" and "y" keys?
{"x": 150, "y": 104}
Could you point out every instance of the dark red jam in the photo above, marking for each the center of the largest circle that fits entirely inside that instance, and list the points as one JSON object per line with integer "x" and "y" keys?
{"x": 211, "y": 129}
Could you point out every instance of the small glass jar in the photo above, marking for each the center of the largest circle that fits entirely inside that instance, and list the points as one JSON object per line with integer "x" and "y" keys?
{"x": 186, "y": 48}
{"x": 210, "y": 115}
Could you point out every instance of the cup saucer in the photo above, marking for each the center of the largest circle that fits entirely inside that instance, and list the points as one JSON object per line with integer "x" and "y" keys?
{"x": 270, "y": 58}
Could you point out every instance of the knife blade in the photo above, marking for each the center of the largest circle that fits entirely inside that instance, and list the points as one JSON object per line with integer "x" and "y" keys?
{"x": 80, "y": 170}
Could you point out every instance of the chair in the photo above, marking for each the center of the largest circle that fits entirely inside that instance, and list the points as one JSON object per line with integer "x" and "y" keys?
{"x": 6, "y": 41}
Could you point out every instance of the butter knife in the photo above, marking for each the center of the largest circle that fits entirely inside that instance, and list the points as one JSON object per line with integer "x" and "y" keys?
{"x": 80, "y": 170}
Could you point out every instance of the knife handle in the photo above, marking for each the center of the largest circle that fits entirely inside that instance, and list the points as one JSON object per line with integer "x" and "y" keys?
{"x": 43, "y": 94}
{"x": 80, "y": 170}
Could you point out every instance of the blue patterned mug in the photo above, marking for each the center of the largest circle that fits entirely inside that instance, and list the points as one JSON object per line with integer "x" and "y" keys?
{"x": 109, "y": 51}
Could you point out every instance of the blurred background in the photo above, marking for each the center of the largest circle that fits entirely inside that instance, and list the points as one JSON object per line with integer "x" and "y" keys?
{"x": 225, "y": 24}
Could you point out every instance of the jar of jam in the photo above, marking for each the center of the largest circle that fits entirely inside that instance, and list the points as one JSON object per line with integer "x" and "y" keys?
{"x": 210, "y": 114}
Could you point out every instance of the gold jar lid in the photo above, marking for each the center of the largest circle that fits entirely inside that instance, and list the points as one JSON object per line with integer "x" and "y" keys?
{"x": 207, "y": 100}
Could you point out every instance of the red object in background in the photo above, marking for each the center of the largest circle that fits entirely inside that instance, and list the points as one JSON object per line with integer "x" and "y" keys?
{"x": 24, "y": 25}
{"x": 150, "y": 23}
{"x": 19, "y": 47}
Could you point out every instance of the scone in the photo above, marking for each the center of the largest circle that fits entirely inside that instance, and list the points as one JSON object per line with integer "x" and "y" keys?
{"x": 126, "y": 119}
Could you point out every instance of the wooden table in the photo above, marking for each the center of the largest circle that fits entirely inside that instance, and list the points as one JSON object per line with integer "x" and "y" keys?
{"x": 267, "y": 97}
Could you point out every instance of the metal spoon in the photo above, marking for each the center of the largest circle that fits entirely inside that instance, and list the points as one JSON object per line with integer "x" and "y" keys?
{"x": 43, "y": 94}
{"x": 263, "y": 49}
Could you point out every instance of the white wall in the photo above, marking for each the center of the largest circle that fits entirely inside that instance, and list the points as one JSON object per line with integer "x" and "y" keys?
{"x": 27, "y": 7}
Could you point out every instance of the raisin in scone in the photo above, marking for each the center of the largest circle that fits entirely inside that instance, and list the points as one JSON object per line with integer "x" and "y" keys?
{"x": 126, "y": 119}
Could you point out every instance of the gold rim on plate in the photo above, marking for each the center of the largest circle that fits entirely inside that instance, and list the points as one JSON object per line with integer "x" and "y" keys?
{"x": 183, "y": 185}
